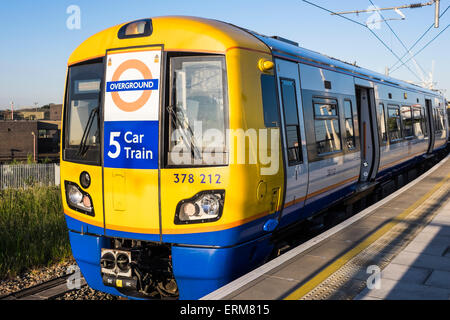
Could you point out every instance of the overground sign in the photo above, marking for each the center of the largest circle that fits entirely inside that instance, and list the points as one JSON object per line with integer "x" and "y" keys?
{"x": 132, "y": 109}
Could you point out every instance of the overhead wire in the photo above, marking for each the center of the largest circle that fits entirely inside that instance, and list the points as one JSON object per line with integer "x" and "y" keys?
{"x": 400, "y": 40}
{"x": 418, "y": 40}
{"x": 423, "y": 48}
{"x": 365, "y": 26}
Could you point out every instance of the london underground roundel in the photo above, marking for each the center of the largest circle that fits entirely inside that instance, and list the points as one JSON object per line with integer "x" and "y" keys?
{"x": 144, "y": 85}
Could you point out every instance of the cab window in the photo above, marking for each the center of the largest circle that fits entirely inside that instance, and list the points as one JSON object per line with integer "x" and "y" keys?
{"x": 82, "y": 134}
{"x": 197, "y": 112}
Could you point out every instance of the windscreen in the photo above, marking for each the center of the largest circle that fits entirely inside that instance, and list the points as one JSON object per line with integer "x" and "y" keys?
{"x": 197, "y": 112}
{"x": 82, "y": 134}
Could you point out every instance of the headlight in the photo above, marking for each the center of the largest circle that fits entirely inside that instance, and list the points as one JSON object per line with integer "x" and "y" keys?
{"x": 74, "y": 195}
{"x": 210, "y": 204}
{"x": 205, "y": 206}
{"x": 77, "y": 199}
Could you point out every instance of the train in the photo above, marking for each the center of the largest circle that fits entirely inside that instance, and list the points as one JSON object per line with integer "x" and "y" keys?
{"x": 187, "y": 143}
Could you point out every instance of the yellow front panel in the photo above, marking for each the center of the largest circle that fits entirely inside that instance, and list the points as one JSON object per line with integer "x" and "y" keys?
{"x": 131, "y": 200}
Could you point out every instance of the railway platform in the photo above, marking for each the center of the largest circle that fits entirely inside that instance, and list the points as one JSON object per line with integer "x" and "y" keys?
{"x": 398, "y": 248}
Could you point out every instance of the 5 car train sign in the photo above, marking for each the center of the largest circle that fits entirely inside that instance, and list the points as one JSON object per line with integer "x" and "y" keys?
{"x": 132, "y": 109}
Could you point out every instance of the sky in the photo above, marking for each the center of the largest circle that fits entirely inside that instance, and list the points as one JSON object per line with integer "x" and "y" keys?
{"x": 36, "y": 42}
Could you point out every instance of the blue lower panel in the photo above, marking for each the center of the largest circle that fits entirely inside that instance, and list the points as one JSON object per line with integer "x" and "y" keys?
{"x": 132, "y": 235}
{"x": 199, "y": 271}
{"x": 86, "y": 250}
{"x": 222, "y": 238}
{"x": 314, "y": 205}
{"x": 82, "y": 227}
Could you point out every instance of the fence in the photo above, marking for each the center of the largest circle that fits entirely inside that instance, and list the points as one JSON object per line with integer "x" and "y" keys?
{"x": 26, "y": 175}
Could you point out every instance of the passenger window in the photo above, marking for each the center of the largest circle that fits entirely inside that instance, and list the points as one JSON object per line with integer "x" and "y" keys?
{"x": 436, "y": 121}
{"x": 418, "y": 122}
{"x": 381, "y": 122}
{"x": 424, "y": 122}
{"x": 349, "y": 124}
{"x": 326, "y": 126}
{"x": 439, "y": 120}
{"x": 293, "y": 140}
{"x": 394, "y": 123}
{"x": 269, "y": 99}
{"x": 407, "y": 121}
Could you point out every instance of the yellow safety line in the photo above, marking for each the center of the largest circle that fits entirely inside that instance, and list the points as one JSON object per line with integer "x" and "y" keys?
{"x": 320, "y": 277}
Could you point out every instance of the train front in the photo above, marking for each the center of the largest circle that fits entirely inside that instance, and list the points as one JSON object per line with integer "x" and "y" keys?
{"x": 155, "y": 205}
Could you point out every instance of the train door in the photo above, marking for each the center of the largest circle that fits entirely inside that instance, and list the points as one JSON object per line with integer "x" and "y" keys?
{"x": 368, "y": 128}
{"x": 295, "y": 156}
{"x": 430, "y": 117}
{"x": 131, "y": 143}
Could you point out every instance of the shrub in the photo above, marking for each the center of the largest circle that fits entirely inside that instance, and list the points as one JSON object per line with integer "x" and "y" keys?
{"x": 33, "y": 232}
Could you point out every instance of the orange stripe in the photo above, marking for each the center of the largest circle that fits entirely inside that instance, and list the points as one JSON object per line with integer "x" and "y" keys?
{"x": 131, "y": 229}
{"x": 291, "y": 203}
{"x": 321, "y": 191}
{"x": 215, "y": 228}
{"x": 332, "y": 187}
{"x": 401, "y": 160}
{"x": 169, "y": 231}
{"x": 83, "y": 219}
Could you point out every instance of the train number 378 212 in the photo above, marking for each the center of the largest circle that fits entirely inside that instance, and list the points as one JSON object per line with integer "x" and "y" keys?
{"x": 191, "y": 178}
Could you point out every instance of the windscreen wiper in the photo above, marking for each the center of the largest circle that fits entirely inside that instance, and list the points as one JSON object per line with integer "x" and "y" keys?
{"x": 180, "y": 119}
{"x": 83, "y": 146}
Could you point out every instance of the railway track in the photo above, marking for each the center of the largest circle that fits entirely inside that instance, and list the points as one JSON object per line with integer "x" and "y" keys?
{"x": 47, "y": 290}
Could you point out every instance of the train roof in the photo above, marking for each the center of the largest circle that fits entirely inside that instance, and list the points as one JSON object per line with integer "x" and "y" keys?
{"x": 290, "y": 49}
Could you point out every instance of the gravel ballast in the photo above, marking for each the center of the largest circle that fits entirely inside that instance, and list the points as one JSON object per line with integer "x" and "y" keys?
{"x": 40, "y": 275}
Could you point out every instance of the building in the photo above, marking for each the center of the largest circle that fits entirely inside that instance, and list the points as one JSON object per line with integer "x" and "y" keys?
{"x": 47, "y": 112}
{"x": 35, "y": 139}
{"x": 6, "y": 115}
{"x": 32, "y": 115}
{"x": 55, "y": 112}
